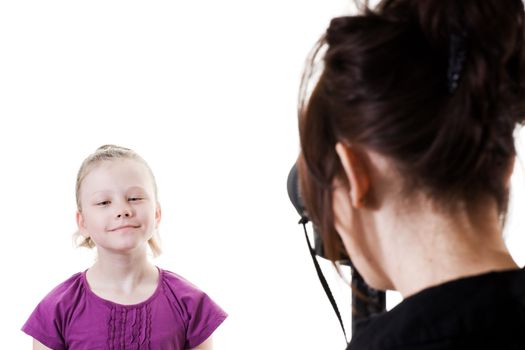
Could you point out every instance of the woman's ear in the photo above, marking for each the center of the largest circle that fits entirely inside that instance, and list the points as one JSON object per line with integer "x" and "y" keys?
{"x": 510, "y": 170}
{"x": 356, "y": 173}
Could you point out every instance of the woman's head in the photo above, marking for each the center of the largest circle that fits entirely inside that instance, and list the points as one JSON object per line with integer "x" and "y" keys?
{"x": 115, "y": 188}
{"x": 386, "y": 86}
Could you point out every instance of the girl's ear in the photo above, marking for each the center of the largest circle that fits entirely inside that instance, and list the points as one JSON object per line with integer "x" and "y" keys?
{"x": 158, "y": 215}
{"x": 356, "y": 173}
{"x": 81, "y": 225}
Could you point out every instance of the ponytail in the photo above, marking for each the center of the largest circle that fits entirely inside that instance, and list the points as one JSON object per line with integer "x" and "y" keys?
{"x": 435, "y": 85}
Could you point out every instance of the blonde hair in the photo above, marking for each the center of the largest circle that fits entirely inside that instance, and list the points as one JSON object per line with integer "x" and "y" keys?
{"x": 108, "y": 153}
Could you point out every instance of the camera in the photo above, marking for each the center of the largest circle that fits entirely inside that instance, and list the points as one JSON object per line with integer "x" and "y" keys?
{"x": 366, "y": 301}
{"x": 295, "y": 198}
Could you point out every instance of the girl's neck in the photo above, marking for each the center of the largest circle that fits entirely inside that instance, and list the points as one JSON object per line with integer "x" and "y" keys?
{"x": 122, "y": 274}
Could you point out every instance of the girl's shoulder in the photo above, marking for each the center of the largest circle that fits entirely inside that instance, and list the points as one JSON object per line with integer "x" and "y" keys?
{"x": 67, "y": 292}
{"x": 183, "y": 293}
{"x": 48, "y": 320}
{"x": 178, "y": 284}
{"x": 200, "y": 314}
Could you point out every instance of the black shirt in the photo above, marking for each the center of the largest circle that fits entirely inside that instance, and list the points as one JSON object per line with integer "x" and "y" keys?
{"x": 480, "y": 312}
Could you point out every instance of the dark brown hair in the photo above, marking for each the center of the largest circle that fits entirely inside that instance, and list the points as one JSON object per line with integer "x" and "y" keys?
{"x": 384, "y": 86}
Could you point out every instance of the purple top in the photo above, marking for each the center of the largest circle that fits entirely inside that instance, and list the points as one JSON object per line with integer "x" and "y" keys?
{"x": 176, "y": 316}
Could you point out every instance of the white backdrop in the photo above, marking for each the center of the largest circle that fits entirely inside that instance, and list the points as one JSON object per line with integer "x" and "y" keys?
{"x": 206, "y": 92}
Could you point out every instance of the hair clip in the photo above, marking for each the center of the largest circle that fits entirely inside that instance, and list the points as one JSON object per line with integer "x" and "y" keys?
{"x": 457, "y": 56}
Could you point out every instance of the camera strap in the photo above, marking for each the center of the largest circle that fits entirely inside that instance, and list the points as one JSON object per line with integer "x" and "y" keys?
{"x": 324, "y": 283}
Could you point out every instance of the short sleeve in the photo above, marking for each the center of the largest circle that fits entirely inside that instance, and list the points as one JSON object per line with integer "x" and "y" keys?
{"x": 204, "y": 318}
{"x": 49, "y": 320}
{"x": 44, "y": 325}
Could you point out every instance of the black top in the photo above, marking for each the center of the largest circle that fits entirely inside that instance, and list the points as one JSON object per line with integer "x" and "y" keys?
{"x": 480, "y": 312}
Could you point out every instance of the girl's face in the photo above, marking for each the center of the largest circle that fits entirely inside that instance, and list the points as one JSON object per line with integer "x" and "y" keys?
{"x": 119, "y": 208}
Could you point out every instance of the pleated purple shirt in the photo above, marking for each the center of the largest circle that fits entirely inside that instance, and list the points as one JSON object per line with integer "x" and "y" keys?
{"x": 176, "y": 316}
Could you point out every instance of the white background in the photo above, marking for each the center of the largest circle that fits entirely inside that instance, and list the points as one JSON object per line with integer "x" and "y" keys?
{"x": 206, "y": 92}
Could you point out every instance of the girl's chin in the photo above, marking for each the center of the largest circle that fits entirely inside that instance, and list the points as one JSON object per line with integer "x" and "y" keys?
{"x": 124, "y": 247}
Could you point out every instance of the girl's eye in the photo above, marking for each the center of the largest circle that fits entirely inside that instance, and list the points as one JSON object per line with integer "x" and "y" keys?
{"x": 134, "y": 199}
{"x": 103, "y": 203}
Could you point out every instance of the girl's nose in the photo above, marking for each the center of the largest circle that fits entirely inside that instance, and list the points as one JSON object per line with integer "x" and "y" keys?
{"x": 124, "y": 212}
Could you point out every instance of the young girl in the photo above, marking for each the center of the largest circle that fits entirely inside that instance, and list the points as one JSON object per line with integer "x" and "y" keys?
{"x": 407, "y": 149}
{"x": 123, "y": 301}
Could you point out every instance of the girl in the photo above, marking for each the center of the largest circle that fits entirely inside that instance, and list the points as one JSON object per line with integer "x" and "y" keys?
{"x": 407, "y": 150}
{"x": 123, "y": 301}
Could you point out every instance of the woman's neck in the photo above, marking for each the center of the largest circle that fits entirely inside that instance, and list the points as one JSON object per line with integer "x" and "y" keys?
{"x": 425, "y": 247}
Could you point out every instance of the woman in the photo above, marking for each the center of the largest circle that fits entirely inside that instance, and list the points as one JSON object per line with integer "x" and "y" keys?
{"x": 407, "y": 150}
